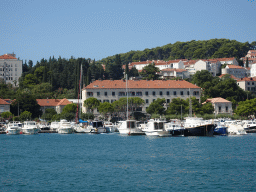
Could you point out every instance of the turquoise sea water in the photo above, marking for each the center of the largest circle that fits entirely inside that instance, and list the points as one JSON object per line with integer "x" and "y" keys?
{"x": 111, "y": 162}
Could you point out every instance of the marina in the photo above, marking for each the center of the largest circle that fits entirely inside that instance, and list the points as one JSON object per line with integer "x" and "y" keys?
{"x": 114, "y": 162}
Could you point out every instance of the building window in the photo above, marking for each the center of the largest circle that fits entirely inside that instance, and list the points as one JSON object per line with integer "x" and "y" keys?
{"x": 160, "y": 93}
{"x": 146, "y": 93}
{"x": 98, "y": 93}
{"x": 167, "y": 93}
{"x": 139, "y": 93}
{"x": 146, "y": 100}
{"x": 174, "y": 92}
{"x": 153, "y": 93}
{"x": 248, "y": 83}
{"x": 181, "y": 93}
{"x": 226, "y": 109}
{"x": 219, "y": 109}
{"x": 132, "y": 94}
{"x": 106, "y": 100}
{"x": 188, "y": 93}
{"x": 90, "y": 94}
{"x": 106, "y": 93}
{"x": 153, "y": 100}
{"x": 112, "y": 100}
{"x": 121, "y": 93}
{"x": 248, "y": 88}
{"x": 252, "y": 83}
{"x": 168, "y": 101}
{"x": 113, "y": 93}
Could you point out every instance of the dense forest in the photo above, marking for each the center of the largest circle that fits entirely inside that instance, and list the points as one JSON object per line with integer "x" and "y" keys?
{"x": 214, "y": 48}
{"x": 59, "y": 77}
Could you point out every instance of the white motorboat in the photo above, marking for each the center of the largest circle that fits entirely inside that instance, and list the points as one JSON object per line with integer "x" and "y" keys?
{"x": 236, "y": 129}
{"x": 13, "y": 128}
{"x": 54, "y": 126}
{"x": 97, "y": 127}
{"x": 43, "y": 125}
{"x": 249, "y": 124}
{"x": 81, "y": 127}
{"x": 129, "y": 127}
{"x": 30, "y": 127}
{"x": 175, "y": 128}
{"x": 110, "y": 127}
{"x": 65, "y": 127}
{"x": 156, "y": 127}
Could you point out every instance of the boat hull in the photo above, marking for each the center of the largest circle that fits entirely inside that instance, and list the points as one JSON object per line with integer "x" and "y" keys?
{"x": 12, "y": 131}
{"x": 220, "y": 131}
{"x": 65, "y": 131}
{"x": 30, "y": 131}
{"x": 202, "y": 130}
{"x": 131, "y": 132}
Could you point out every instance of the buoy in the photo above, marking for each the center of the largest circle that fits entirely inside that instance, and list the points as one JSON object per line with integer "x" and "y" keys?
{"x": 21, "y": 132}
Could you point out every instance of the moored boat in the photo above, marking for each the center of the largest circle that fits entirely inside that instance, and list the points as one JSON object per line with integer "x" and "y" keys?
{"x": 65, "y": 127}
{"x": 195, "y": 126}
{"x": 156, "y": 127}
{"x": 175, "y": 128}
{"x": 30, "y": 128}
{"x": 129, "y": 127}
{"x": 13, "y": 128}
{"x": 97, "y": 127}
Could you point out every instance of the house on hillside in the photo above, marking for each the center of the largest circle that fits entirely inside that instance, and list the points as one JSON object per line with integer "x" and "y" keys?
{"x": 211, "y": 65}
{"x": 10, "y": 68}
{"x": 237, "y": 71}
{"x": 168, "y": 73}
{"x": 56, "y": 104}
{"x": 247, "y": 84}
{"x": 148, "y": 90}
{"x": 4, "y": 106}
{"x": 220, "y": 105}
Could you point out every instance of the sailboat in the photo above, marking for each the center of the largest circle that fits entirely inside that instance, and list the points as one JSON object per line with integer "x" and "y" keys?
{"x": 195, "y": 126}
{"x": 129, "y": 127}
{"x": 80, "y": 126}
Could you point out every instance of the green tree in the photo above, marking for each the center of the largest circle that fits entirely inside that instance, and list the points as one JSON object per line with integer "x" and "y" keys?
{"x": 91, "y": 103}
{"x": 29, "y": 80}
{"x": 25, "y": 115}
{"x": 26, "y": 102}
{"x": 106, "y": 108}
{"x": 178, "y": 106}
{"x": 207, "y": 108}
{"x": 70, "y": 108}
{"x": 156, "y": 107}
{"x": 6, "y": 115}
{"x": 246, "y": 108}
{"x": 150, "y": 72}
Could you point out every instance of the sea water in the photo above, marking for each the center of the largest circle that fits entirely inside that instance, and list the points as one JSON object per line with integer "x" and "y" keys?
{"x": 111, "y": 162}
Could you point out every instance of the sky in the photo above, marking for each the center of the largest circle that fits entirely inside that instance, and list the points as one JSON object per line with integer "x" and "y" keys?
{"x": 36, "y": 29}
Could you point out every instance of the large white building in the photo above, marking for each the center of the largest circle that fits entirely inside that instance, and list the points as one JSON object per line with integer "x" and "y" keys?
{"x": 148, "y": 90}
{"x": 237, "y": 71}
{"x": 10, "y": 69}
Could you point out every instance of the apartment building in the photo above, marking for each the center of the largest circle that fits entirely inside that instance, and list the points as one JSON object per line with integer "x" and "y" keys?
{"x": 148, "y": 90}
{"x": 10, "y": 69}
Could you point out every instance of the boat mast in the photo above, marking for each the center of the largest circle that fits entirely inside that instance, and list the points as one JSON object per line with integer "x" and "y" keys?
{"x": 190, "y": 105}
{"x": 78, "y": 104}
{"x": 126, "y": 98}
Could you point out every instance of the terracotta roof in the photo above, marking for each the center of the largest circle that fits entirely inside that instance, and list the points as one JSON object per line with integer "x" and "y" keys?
{"x": 140, "y": 84}
{"x": 7, "y": 57}
{"x": 177, "y": 70}
{"x": 217, "y": 100}
{"x": 64, "y": 102}
{"x": 226, "y": 59}
{"x": 3, "y": 102}
{"x": 174, "y": 61}
{"x": 234, "y": 67}
{"x": 247, "y": 79}
{"x": 231, "y": 76}
{"x": 48, "y": 102}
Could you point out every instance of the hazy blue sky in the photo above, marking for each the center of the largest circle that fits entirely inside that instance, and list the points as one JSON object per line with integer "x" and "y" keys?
{"x": 99, "y": 28}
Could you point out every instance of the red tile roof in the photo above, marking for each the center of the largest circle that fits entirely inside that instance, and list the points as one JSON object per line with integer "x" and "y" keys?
{"x": 7, "y": 57}
{"x": 140, "y": 84}
{"x": 217, "y": 100}
{"x": 177, "y": 70}
{"x": 235, "y": 67}
{"x": 247, "y": 79}
{"x": 48, "y": 102}
{"x": 231, "y": 76}
{"x": 64, "y": 102}
{"x": 3, "y": 102}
